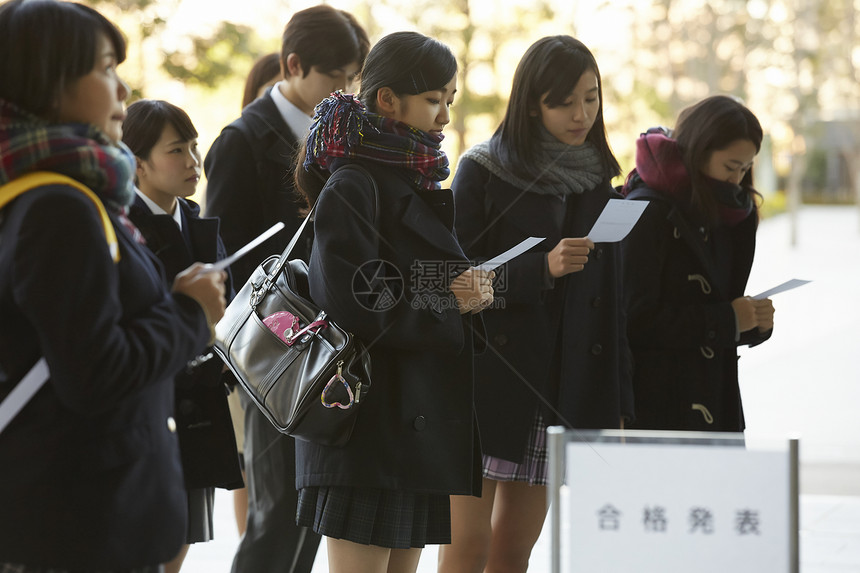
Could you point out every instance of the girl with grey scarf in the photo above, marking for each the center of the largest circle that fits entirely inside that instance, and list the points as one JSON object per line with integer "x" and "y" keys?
{"x": 556, "y": 344}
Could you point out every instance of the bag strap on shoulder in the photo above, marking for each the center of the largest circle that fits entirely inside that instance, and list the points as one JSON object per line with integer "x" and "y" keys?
{"x": 285, "y": 256}
{"x": 14, "y": 188}
{"x": 38, "y": 375}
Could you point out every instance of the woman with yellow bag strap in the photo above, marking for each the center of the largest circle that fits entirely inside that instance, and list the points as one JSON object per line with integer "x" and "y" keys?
{"x": 91, "y": 478}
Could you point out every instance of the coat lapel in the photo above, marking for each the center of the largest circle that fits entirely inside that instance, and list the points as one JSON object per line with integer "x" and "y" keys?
{"x": 420, "y": 218}
{"x": 531, "y": 213}
{"x": 265, "y": 120}
{"x": 201, "y": 232}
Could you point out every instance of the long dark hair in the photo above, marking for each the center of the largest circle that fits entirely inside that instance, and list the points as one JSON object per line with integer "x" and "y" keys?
{"x": 407, "y": 62}
{"x": 145, "y": 121}
{"x": 548, "y": 72}
{"x": 711, "y": 125}
{"x": 264, "y": 69}
{"x": 45, "y": 46}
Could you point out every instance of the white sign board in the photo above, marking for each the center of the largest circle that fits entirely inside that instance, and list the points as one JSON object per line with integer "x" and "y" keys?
{"x": 675, "y": 508}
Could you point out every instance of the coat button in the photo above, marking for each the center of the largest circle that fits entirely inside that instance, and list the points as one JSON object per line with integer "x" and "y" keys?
{"x": 419, "y": 423}
{"x": 596, "y": 349}
{"x": 500, "y": 339}
{"x": 598, "y": 252}
{"x": 596, "y": 302}
{"x": 711, "y": 334}
{"x": 171, "y": 424}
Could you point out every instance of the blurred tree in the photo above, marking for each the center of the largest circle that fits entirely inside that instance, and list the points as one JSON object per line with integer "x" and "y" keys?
{"x": 682, "y": 52}
{"x": 142, "y": 21}
{"x": 228, "y": 52}
{"x": 477, "y": 32}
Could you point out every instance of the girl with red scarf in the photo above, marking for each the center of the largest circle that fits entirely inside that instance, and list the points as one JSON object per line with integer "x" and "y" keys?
{"x": 687, "y": 263}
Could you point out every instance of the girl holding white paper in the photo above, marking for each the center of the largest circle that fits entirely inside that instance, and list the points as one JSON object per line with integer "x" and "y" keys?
{"x": 91, "y": 477}
{"x": 556, "y": 350}
{"x": 687, "y": 264}
{"x": 164, "y": 142}
{"x": 385, "y": 494}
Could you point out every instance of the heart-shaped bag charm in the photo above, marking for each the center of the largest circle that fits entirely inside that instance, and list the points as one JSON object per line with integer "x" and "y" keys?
{"x": 338, "y": 377}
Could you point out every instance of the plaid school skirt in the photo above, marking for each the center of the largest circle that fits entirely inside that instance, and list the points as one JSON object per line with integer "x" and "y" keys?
{"x": 534, "y": 468}
{"x": 385, "y": 518}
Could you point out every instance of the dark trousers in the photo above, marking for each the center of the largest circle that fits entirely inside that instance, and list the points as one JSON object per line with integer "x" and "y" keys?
{"x": 272, "y": 542}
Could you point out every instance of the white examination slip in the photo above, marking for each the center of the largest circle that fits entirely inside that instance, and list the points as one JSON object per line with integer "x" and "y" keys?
{"x": 509, "y": 254}
{"x": 224, "y": 263}
{"x": 787, "y": 285}
{"x": 616, "y": 220}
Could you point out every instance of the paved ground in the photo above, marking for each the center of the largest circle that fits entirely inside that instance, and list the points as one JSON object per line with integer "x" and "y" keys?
{"x": 805, "y": 381}
{"x": 829, "y": 540}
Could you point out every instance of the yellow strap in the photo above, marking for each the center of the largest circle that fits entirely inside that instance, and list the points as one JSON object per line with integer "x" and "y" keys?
{"x": 36, "y": 179}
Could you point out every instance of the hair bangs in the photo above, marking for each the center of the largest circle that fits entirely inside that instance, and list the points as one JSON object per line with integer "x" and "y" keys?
{"x": 45, "y": 46}
{"x": 181, "y": 122}
{"x": 560, "y": 77}
{"x": 145, "y": 122}
{"x": 433, "y": 68}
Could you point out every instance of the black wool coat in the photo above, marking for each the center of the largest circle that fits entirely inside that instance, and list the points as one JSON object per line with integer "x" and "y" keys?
{"x": 681, "y": 279}
{"x": 416, "y": 431}
{"x": 249, "y": 171}
{"x": 91, "y": 476}
{"x": 564, "y": 339}
{"x": 205, "y": 428}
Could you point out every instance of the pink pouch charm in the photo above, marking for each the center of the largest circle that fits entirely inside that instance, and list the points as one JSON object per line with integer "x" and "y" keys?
{"x": 285, "y": 325}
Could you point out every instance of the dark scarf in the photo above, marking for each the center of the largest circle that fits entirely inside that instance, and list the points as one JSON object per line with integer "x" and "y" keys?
{"x": 343, "y": 128}
{"x": 659, "y": 166}
{"x": 563, "y": 168}
{"x": 82, "y": 152}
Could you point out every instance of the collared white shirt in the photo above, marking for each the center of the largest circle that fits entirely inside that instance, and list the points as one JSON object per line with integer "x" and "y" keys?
{"x": 156, "y": 210}
{"x": 297, "y": 120}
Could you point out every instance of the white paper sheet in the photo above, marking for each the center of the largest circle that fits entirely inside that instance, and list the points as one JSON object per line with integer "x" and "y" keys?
{"x": 787, "y": 285}
{"x": 224, "y": 263}
{"x": 510, "y": 254}
{"x": 616, "y": 220}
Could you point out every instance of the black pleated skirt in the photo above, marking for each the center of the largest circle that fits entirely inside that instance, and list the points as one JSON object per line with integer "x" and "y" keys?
{"x": 385, "y": 518}
{"x": 201, "y": 511}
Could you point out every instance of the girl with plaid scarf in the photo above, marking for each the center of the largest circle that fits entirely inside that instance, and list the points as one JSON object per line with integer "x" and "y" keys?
{"x": 386, "y": 265}
{"x": 91, "y": 477}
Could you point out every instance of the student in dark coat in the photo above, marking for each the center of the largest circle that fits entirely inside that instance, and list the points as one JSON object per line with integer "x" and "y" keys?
{"x": 384, "y": 495}
{"x": 687, "y": 264}
{"x": 91, "y": 477}
{"x": 164, "y": 143}
{"x": 557, "y": 351}
{"x": 264, "y": 74}
{"x": 249, "y": 171}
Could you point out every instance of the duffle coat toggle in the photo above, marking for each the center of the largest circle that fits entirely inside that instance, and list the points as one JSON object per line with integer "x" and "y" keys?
{"x": 709, "y": 419}
{"x": 703, "y": 282}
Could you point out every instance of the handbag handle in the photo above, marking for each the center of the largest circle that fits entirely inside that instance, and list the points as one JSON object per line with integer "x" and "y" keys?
{"x": 256, "y": 296}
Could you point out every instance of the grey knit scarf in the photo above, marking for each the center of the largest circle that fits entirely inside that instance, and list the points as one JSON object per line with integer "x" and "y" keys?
{"x": 563, "y": 168}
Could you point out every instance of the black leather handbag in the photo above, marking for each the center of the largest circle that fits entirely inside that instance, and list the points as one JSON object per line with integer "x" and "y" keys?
{"x": 307, "y": 375}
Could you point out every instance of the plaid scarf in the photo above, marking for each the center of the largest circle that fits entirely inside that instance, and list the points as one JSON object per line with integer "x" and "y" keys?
{"x": 343, "y": 128}
{"x": 82, "y": 152}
